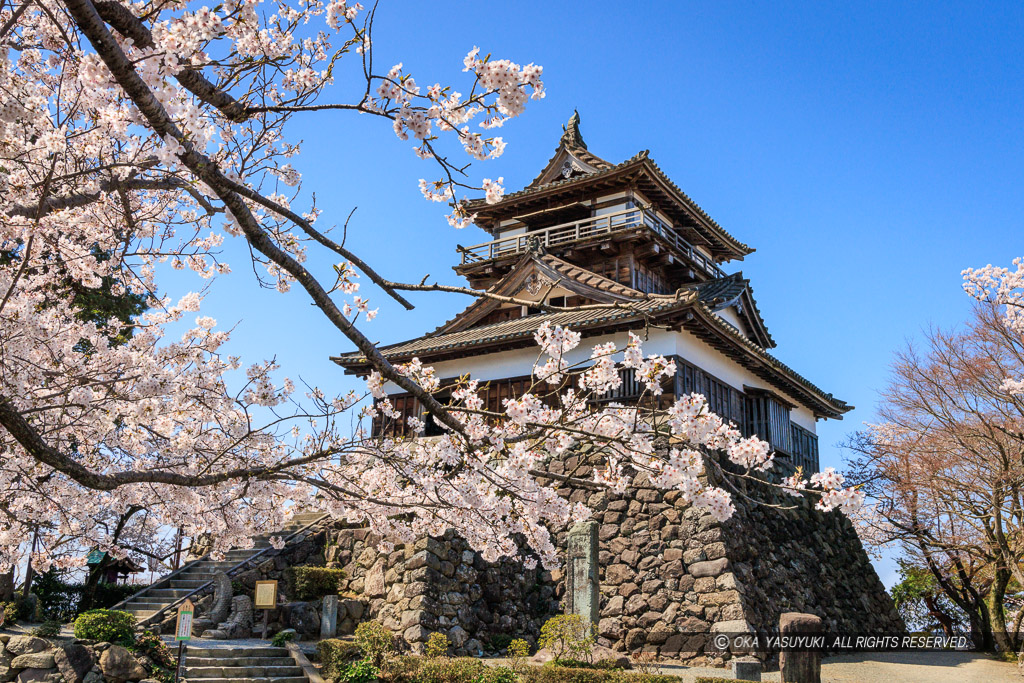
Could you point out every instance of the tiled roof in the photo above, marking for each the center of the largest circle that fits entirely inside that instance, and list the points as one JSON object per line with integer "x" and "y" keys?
{"x": 519, "y": 332}
{"x": 726, "y": 289}
{"x": 589, "y": 277}
{"x": 641, "y": 160}
{"x": 522, "y": 328}
{"x": 755, "y": 350}
{"x": 721, "y": 289}
{"x": 552, "y": 267}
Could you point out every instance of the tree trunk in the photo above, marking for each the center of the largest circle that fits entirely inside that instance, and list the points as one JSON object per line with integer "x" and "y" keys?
{"x": 997, "y": 616}
{"x": 7, "y": 586}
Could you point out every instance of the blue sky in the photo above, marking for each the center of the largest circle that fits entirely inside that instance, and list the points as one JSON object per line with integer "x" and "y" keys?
{"x": 868, "y": 151}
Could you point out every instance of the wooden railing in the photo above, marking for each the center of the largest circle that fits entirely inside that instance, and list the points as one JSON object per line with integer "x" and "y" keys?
{"x": 588, "y": 228}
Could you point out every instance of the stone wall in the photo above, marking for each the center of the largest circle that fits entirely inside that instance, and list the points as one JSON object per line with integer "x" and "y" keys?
{"x": 439, "y": 584}
{"x": 670, "y": 577}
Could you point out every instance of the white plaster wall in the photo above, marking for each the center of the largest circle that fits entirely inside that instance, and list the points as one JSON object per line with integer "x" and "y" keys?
{"x": 520, "y": 362}
{"x": 730, "y": 316}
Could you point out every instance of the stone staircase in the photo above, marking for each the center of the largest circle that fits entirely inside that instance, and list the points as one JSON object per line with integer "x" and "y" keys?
{"x": 248, "y": 664}
{"x": 197, "y": 573}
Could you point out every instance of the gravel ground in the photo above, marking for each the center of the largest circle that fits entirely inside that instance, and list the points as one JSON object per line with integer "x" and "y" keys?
{"x": 890, "y": 667}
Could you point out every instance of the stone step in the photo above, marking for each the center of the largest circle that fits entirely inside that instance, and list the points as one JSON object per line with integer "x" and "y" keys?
{"x": 141, "y": 613}
{"x": 168, "y": 594}
{"x": 211, "y": 565}
{"x": 187, "y": 583}
{"x": 237, "y": 672}
{"x": 287, "y": 679}
{"x": 200, "y": 662}
{"x": 147, "y": 599}
{"x": 197, "y": 573}
{"x": 230, "y": 652}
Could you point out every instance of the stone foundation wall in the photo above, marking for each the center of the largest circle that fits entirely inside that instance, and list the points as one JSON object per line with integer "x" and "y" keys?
{"x": 670, "y": 577}
{"x": 439, "y": 584}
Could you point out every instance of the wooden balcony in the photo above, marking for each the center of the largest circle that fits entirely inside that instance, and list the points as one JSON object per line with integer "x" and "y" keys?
{"x": 594, "y": 228}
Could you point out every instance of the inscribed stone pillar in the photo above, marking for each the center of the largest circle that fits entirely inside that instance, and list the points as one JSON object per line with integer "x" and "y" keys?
{"x": 800, "y": 666}
{"x": 582, "y": 595}
{"x": 329, "y": 617}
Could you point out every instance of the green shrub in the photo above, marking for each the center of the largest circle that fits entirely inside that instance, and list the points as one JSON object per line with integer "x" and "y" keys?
{"x": 360, "y": 671}
{"x": 604, "y": 664}
{"x": 562, "y": 674}
{"x": 375, "y": 642}
{"x": 61, "y": 600}
{"x": 447, "y": 670}
{"x": 48, "y": 629}
{"x": 10, "y": 613}
{"x": 334, "y": 654}
{"x": 112, "y": 626}
{"x": 282, "y": 637}
{"x": 568, "y": 637}
{"x": 518, "y": 651}
{"x": 312, "y": 583}
{"x": 497, "y": 674}
{"x": 437, "y": 645}
{"x": 705, "y": 679}
{"x": 149, "y": 644}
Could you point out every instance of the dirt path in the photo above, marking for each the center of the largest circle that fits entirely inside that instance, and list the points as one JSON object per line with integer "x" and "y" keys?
{"x": 891, "y": 667}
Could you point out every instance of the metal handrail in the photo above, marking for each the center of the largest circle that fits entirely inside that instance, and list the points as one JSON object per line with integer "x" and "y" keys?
{"x": 587, "y": 228}
{"x": 163, "y": 610}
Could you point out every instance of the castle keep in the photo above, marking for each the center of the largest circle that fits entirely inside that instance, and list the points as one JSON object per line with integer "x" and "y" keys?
{"x": 587, "y": 231}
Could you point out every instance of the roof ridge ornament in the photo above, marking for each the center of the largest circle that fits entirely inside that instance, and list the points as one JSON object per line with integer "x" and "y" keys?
{"x": 571, "y": 136}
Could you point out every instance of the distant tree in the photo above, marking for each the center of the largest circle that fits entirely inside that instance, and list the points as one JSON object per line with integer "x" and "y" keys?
{"x": 922, "y": 603}
{"x": 946, "y": 464}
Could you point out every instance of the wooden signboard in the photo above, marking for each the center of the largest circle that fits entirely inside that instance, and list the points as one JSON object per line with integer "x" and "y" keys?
{"x": 183, "y": 628}
{"x": 266, "y": 595}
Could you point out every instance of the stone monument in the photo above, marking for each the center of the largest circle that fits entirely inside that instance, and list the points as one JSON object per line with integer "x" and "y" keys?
{"x": 582, "y": 595}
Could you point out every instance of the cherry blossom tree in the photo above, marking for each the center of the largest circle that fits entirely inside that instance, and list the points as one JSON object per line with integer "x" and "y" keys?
{"x": 944, "y": 464}
{"x": 136, "y": 138}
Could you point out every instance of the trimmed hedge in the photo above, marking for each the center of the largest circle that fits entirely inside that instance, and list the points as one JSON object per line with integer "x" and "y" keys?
{"x": 112, "y": 626}
{"x": 705, "y": 679}
{"x": 562, "y": 674}
{"x": 471, "y": 670}
{"x": 311, "y": 583}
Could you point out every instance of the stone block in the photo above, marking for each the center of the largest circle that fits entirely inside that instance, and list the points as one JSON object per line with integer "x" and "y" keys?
{"x": 672, "y": 554}
{"x": 374, "y": 582}
{"x": 37, "y": 676}
{"x": 671, "y": 569}
{"x": 746, "y": 669}
{"x": 628, "y": 589}
{"x": 708, "y": 568}
{"x": 34, "y": 660}
{"x": 119, "y": 665}
{"x": 74, "y": 662}
{"x": 424, "y": 558}
{"x": 23, "y": 645}
{"x": 704, "y": 584}
{"x": 617, "y": 574}
{"x": 614, "y": 606}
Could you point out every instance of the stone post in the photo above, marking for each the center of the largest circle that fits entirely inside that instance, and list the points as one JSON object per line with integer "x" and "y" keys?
{"x": 329, "y": 617}
{"x": 746, "y": 669}
{"x": 800, "y": 666}
{"x": 582, "y": 594}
